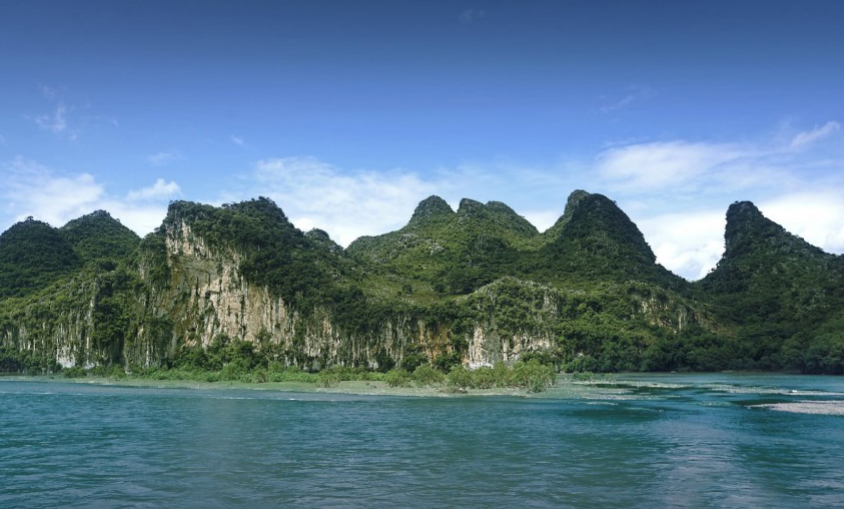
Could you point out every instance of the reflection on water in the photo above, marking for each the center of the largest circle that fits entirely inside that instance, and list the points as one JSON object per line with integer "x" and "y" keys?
{"x": 723, "y": 440}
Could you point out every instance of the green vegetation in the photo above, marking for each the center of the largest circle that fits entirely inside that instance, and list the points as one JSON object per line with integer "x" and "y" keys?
{"x": 782, "y": 296}
{"x": 407, "y": 308}
{"x": 32, "y": 256}
{"x": 531, "y": 376}
{"x": 26, "y": 362}
{"x": 99, "y": 237}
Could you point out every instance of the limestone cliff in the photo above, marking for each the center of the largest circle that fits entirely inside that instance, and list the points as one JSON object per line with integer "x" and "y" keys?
{"x": 476, "y": 286}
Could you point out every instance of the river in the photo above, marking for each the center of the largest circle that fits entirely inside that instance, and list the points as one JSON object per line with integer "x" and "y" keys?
{"x": 714, "y": 440}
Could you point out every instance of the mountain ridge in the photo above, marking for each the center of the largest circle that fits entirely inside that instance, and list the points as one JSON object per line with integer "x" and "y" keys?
{"x": 475, "y": 286}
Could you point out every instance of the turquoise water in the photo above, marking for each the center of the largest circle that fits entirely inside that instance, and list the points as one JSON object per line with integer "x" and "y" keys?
{"x": 645, "y": 441}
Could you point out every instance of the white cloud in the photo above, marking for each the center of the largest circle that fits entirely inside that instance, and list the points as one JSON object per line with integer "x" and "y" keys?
{"x": 34, "y": 190}
{"x": 237, "y": 140}
{"x": 687, "y": 243}
{"x": 347, "y": 205}
{"x": 55, "y": 122}
{"x": 808, "y": 137}
{"x": 543, "y": 219}
{"x": 664, "y": 186}
{"x": 817, "y": 216}
{"x": 652, "y": 166}
{"x": 159, "y": 190}
{"x": 162, "y": 158}
{"x": 677, "y": 192}
{"x": 31, "y": 189}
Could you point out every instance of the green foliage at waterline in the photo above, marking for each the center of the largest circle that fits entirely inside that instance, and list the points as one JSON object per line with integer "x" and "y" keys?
{"x": 529, "y": 376}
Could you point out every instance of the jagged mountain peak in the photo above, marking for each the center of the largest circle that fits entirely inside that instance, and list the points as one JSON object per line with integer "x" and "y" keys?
{"x": 262, "y": 209}
{"x": 322, "y": 239}
{"x": 595, "y": 239}
{"x": 495, "y": 213}
{"x": 430, "y": 207}
{"x": 595, "y": 215}
{"x": 574, "y": 199}
{"x": 469, "y": 206}
{"x": 572, "y": 202}
{"x": 749, "y": 230}
{"x": 772, "y": 279}
{"x": 742, "y": 208}
{"x": 500, "y": 207}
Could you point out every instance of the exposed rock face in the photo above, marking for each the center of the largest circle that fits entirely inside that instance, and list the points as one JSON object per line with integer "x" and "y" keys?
{"x": 493, "y": 339}
{"x": 202, "y": 274}
{"x": 63, "y": 331}
{"x": 208, "y": 296}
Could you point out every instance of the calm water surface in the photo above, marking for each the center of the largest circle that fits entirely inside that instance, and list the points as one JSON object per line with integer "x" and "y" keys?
{"x": 645, "y": 441}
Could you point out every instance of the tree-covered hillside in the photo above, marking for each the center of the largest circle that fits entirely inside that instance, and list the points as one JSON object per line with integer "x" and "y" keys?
{"x": 474, "y": 286}
{"x": 33, "y": 255}
{"x": 776, "y": 288}
{"x": 98, "y": 236}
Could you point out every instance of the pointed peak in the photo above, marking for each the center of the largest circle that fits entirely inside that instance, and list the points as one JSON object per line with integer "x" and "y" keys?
{"x": 321, "y": 238}
{"x": 432, "y": 206}
{"x": 748, "y": 229}
{"x": 500, "y": 207}
{"x": 317, "y": 234}
{"x": 742, "y": 209}
{"x": 572, "y": 203}
{"x": 93, "y": 217}
{"x": 574, "y": 200}
{"x": 468, "y": 205}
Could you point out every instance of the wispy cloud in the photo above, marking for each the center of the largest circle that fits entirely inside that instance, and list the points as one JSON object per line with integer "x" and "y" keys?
{"x": 160, "y": 190}
{"x": 632, "y": 95}
{"x": 237, "y": 140}
{"x": 49, "y": 92}
{"x": 62, "y": 119}
{"x": 315, "y": 194}
{"x": 471, "y": 15}
{"x": 54, "y": 122}
{"x": 166, "y": 157}
{"x": 688, "y": 169}
{"x": 808, "y": 137}
{"x": 678, "y": 191}
{"x": 32, "y": 189}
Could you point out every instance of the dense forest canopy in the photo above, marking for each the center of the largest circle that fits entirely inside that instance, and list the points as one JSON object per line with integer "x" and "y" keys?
{"x": 451, "y": 286}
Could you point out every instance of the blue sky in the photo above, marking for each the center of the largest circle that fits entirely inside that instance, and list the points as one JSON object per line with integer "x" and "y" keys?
{"x": 350, "y": 113}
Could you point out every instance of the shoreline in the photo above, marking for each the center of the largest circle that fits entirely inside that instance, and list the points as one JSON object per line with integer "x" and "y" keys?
{"x": 618, "y": 386}
{"x": 357, "y": 388}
